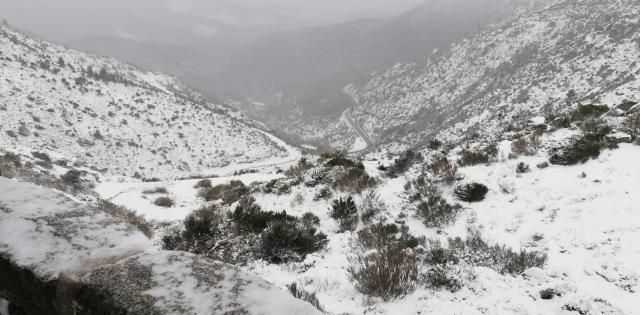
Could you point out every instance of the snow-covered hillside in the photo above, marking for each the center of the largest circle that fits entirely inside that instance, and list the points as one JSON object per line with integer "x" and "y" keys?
{"x": 552, "y": 53}
{"x": 116, "y": 118}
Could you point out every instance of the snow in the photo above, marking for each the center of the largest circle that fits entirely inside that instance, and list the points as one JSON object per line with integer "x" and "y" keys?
{"x": 45, "y": 229}
{"x": 4, "y": 307}
{"x": 358, "y": 145}
{"x": 183, "y": 192}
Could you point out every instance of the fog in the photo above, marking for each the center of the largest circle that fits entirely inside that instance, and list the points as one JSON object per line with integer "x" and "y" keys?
{"x": 288, "y": 54}
{"x": 67, "y": 20}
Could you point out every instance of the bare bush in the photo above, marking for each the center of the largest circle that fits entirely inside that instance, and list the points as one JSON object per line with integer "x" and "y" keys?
{"x": 441, "y": 167}
{"x": 164, "y": 202}
{"x": 371, "y": 205}
{"x": 434, "y": 209}
{"x": 229, "y": 193}
{"x": 354, "y": 180}
{"x": 388, "y": 273}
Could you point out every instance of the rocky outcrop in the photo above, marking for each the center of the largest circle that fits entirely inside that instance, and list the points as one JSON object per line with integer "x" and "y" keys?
{"x": 58, "y": 256}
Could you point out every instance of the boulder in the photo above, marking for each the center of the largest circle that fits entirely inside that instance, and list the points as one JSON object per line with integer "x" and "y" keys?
{"x": 619, "y": 137}
{"x": 58, "y": 256}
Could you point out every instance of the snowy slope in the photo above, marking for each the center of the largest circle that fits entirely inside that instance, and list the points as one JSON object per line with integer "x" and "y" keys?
{"x": 53, "y": 236}
{"x": 551, "y": 53}
{"x": 115, "y": 117}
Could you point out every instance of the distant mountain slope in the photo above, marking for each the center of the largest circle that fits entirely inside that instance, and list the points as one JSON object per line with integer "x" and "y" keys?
{"x": 552, "y": 53}
{"x": 115, "y": 117}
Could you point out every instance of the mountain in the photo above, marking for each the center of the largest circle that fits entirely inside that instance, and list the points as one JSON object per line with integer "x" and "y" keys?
{"x": 310, "y": 67}
{"x": 116, "y": 118}
{"x": 547, "y": 55}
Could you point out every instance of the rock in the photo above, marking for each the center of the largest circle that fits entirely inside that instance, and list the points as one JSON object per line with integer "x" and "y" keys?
{"x": 618, "y": 137}
{"x": 523, "y": 168}
{"x": 626, "y": 106}
{"x": 548, "y": 294}
{"x": 543, "y": 165}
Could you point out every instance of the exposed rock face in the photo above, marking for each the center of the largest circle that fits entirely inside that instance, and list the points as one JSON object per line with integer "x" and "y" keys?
{"x": 61, "y": 257}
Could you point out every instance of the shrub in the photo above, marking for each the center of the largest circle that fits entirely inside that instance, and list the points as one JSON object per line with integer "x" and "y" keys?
{"x": 310, "y": 219}
{"x": 388, "y": 273}
{"x": 523, "y": 168}
{"x": 632, "y": 125}
{"x": 72, "y": 177}
{"x": 156, "y": 190}
{"x": 435, "y": 210}
{"x": 371, "y": 205}
{"x": 288, "y": 240}
{"x": 444, "y": 169}
{"x": 472, "y": 192}
{"x": 402, "y": 164}
{"x": 227, "y": 193}
{"x": 201, "y": 222}
{"x": 129, "y": 216}
{"x": 299, "y": 293}
{"x": 444, "y": 276}
{"x": 354, "y": 180}
{"x": 345, "y": 212}
{"x": 477, "y": 252}
{"x": 588, "y": 111}
{"x": 164, "y": 202}
{"x": 323, "y": 193}
{"x": 579, "y": 150}
{"x": 249, "y": 216}
{"x": 473, "y": 157}
{"x": 434, "y": 144}
{"x": 382, "y": 235}
{"x": 205, "y": 183}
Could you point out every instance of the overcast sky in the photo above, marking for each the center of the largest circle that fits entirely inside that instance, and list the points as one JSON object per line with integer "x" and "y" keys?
{"x": 72, "y": 19}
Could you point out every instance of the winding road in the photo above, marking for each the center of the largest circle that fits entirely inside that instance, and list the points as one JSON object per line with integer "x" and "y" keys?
{"x": 361, "y": 133}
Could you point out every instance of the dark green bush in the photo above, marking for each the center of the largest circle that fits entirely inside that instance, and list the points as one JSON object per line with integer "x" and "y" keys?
{"x": 202, "y": 222}
{"x": 470, "y": 157}
{"x": 345, "y": 212}
{"x": 249, "y": 216}
{"x": 288, "y": 240}
{"x": 382, "y": 235}
{"x": 472, "y": 192}
{"x": 578, "y": 150}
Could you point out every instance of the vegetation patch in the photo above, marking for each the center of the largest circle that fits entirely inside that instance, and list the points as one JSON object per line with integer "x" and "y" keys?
{"x": 228, "y": 193}
{"x": 472, "y": 192}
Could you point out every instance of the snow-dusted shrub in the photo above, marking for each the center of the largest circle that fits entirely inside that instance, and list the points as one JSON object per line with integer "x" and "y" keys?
{"x": 129, "y": 216}
{"x": 228, "y": 193}
{"x": 388, "y": 273}
{"x": 524, "y": 146}
{"x": 298, "y": 199}
{"x": 472, "y": 192}
{"x": 276, "y": 186}
{"x": 434, "y": 209}
{"x": 354, "y": 180}
{"x": 43, "y": 160}
{"x": 336, "y": 159}
{"x": 204, "y": 183}
{"x": 578, "y": 150}
{"x": 445, "y": 276}
{"x": 300, "y": 293}
{"x": 164, "y": 202}
{"x": 371, "y": 205}
{"x": 323, "y": 193}
{"x": 379, "y": 236}
{"x": 310, "y": 219}
{"x": 632, "y": 126}
{"x": 583, "y": 112}
{"x": 9, "y": 162}
{"x": 446, "y": 170}
{"x": 470, "y": 157}
{"x": 345, "y": 212}
{"x": 290, "y": 240}
{"x": 434, "y": 144}
{"x": 402, "y": 164}
{"x": 477, "y": 252}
